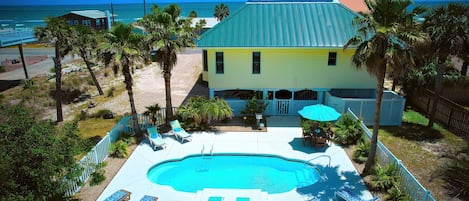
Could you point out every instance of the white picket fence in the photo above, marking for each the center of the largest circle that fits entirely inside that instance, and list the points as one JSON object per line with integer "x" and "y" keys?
{"x": 416, "y": 191}
{"x": 100, "y": 152}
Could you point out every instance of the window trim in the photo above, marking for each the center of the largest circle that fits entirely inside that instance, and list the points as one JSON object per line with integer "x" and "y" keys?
{"x": 254, "y": 70}
{"x": 205, "y": 60}
{"x": 222, "y": 63}
{"x": 332, "y": 60}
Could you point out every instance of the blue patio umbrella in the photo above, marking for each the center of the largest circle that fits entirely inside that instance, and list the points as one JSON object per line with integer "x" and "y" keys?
{"x": 319, "y": 112}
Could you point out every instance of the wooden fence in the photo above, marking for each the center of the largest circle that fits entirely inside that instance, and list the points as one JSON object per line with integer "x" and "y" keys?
{"x": 449, "y": 114}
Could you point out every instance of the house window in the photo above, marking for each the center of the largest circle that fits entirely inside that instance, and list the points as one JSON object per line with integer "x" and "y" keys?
{"x": 256, "y": 62}
{"x": 219, "y": 63}
{"x": 204, "y": 60}
{"x": 98, "y": 22}
{"x": 332, "y": 61}
{"x": 75, "y": 22}
{"x": 86, "y": 22}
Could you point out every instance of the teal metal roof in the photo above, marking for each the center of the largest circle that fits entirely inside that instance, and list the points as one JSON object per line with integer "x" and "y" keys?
{"x": 287, "y": 24}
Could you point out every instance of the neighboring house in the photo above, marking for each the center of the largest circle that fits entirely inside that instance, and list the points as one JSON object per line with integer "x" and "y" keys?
{"x": 356, "y": 5}
{"x": 290, "y": 53}
{"x": 99, "y": 20}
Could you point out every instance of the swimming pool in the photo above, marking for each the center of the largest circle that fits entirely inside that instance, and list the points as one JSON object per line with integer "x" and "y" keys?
{"x": 270, "y": 173}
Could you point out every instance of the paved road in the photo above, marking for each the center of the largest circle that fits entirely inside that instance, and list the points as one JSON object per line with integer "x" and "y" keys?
{"x": 33, "y": 70}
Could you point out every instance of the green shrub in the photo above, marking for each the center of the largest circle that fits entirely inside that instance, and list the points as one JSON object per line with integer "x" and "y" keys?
{"x": 306, "y": 125}
{"x": 98, "y": 176}
{"x": 90, "y": 81}
{"x": 127, "y": 138}
{"x": 255, "y": 106}
{"x": 110, "y": 92}
{"x": 198, "y": 112}
{"x": 2, "y": 69}
{"x": 383, "y": 178}
{"x": 348, "y": 130}
{"x": 2, "y": 96}
{"x": 396, "y": 193}
{"x": 361, "y": 152}
{"x": 119, "y": 149}
{"x": 101, "y": 113}
{"x": 27, "y": 83}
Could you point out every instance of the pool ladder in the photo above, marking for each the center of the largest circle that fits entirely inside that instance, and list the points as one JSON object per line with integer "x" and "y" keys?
{"x": 203, "y": 149}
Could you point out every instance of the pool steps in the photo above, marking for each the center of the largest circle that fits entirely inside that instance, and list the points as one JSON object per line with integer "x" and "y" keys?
{"x": 202, "y": 152}
{"x": 231, "y": 194}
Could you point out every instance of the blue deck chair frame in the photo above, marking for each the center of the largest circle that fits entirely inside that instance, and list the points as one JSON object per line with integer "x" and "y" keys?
{"x": 156, "y": 141}
{"x": 179, "y": 132}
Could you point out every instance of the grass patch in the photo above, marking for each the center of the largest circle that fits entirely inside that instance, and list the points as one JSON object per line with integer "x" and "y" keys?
{"x": 95, "y": 127}
{"x": 423, "y": 150}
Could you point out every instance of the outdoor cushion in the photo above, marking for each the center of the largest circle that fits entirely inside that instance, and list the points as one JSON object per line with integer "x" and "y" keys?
{"x": 119, "y": 195}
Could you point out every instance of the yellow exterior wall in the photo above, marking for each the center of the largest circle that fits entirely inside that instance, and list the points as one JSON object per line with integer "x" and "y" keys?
{"x": 287, "y": 68}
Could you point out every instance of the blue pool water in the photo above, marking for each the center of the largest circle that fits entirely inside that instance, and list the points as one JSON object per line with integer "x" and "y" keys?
{"x": 272, "y": 174}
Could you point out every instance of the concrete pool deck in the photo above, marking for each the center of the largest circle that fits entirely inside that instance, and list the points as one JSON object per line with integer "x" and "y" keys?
{"x": 283, "y": 137}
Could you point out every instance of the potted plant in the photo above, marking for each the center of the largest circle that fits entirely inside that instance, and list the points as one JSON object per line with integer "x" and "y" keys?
{"x": 255, "y": 108}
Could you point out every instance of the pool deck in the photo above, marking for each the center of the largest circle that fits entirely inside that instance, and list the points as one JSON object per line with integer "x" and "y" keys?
{"x": 283, "y": 137}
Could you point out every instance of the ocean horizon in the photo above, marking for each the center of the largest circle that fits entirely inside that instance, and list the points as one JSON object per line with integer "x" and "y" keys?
{"x": 32, "y": 16}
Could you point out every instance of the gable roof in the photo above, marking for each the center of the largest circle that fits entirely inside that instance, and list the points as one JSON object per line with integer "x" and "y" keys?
{"x": 356, "y": 5}
{"x": 283, "y": 24}
{"x": 94, "y": 14}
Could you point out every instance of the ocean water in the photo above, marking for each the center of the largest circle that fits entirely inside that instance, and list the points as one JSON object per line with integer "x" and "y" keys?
{"x": 32, "y": 16}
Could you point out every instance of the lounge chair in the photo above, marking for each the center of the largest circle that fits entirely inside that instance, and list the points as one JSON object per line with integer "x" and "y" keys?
{"x": 120, "y": 195}
{"x": 215, "y": 198}
{"x": 307, "y": 137}
{"x": 149, "y": 198}
{"x": 156, "y": 141}
{"x": 180, "y": 133}
{"x": 320, "y": 141}
{"x": 348, "y": 195}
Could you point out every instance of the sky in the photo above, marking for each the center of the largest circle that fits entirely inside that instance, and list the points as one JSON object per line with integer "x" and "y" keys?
{"x": 71, "y": 2}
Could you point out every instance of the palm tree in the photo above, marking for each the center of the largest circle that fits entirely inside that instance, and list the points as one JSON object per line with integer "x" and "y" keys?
{"x": 123, "y": 43}
{"x": 60, "y": 34}
{"x": 221, "y": 12}
{"x": 170, "y": 33}
{"x": 447, "y": 28}
{"x": 85, "y": 44}
{"x": 383, "y": 40}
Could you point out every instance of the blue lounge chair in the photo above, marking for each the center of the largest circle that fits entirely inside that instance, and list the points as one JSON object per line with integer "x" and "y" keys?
{"x": 242, "y": 199}
{"x": 120, "y": 195}
{"x": 216, "y": 198}
{"x": 156, "y": 141}
{"x": 348, "y": 195}
{"x": 179, "y": 132}
{"x": 149, "y": 198}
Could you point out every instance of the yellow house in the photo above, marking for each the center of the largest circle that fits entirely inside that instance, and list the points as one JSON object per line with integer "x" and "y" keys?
{"x": 290, "y": 53}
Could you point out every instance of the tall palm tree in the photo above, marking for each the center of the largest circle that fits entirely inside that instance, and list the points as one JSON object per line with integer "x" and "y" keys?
{"x": 170, "y": 33}
{"x": 84, "y": 44}
{"x": 123, "y": 43}
{"x": 383, "y": 38}
{"x": 221, "y": 12}
{"x": 60, "y": 34}
{"x": 447, "y": 28}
